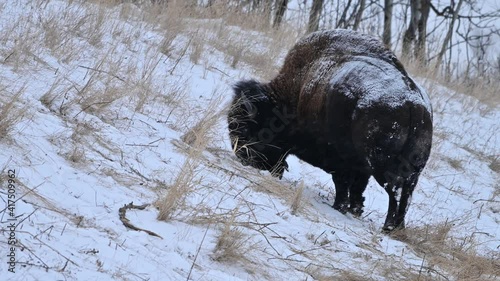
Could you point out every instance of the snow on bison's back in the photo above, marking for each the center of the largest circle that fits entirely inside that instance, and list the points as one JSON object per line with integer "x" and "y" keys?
{"x": 344, "y": 103}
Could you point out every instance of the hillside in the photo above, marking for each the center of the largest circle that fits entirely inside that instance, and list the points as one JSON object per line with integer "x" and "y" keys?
{"x": 106, "y": 104}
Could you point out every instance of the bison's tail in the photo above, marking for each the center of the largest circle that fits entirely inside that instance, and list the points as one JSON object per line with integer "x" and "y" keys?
{"x": 417, "y": 148}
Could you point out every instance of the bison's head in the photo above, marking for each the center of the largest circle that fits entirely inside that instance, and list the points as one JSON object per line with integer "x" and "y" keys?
{"x": 252, "y": 138}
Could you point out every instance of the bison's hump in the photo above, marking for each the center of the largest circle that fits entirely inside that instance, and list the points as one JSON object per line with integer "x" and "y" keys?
{"x": 343, "y": 42}
{"x": 372, "y": 81}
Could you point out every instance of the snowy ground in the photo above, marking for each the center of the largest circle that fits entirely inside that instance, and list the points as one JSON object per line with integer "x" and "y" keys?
{"x": 103, "y": 113}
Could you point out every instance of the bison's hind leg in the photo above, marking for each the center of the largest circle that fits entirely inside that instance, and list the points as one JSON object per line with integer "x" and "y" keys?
{"x": 349, "y": 187}
{"x": 400, "y": 190}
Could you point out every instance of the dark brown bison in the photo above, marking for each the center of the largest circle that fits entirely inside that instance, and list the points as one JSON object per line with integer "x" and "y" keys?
{"x": 344, "y": 103}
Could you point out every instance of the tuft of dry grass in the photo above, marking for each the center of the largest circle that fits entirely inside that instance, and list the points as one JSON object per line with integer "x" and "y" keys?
{"x": 197, "y": 45}
{"x": 171, "y": 20}
{"x": 350, "y": 276}
{"x": 232, "y": 244}
{"x": 297, "y": 199}
{"x": 269, "y": 184}
{"x": 202, "y": 131}
{"x": 10, "y": 113}
{"x": 77, "y": 153}
{"x": 185, "y": 182}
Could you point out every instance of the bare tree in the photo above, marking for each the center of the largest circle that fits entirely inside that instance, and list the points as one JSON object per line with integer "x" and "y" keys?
{"x": 420, "y": 50}
{"x": 343, "y": 22}
{"x": 280, "y": 11}
{"x": 413, "y": 46}
{"x": 359, "y": 14}
{"x": 268, "y": 7}
{"x": 317, "y": 7}
{"x": 449, "y": 34}
{"x": 349, "y": 13}
{"x": 387, "y": 34}
{"x": 262, "y": 7}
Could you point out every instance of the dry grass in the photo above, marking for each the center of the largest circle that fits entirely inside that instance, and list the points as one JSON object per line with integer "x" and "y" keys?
{"x": 232, "y": 244}
{"x": 269, "y": 184}
{"x": 67, "y": 32}
{"x": 197, "y": 46}
{"x": 77, "y": 153}
{"x": 241, "y": 36}
{"x": 297, "y": 199}
{"x": 483, "y": 89}
{"x": 262, "y": 51}
{"x": 495, "y": 164}
{"x": 11, "y": 113}
{"x": 172, "y": 24}
{"x": 447, "y": 257}
{"x": 348, "y": 276}
{"x": 186, "y": 180}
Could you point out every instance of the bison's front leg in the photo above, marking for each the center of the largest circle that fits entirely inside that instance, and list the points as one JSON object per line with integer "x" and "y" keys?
{"x": 349, "y": 187}
{"x": 342, "y": 180}
{"x": 356, "y": 191}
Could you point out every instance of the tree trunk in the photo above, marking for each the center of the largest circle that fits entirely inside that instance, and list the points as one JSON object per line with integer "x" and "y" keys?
{"x": 420, "y": 50}
{"x": 415, "y": 36}
{"x": 268, "y": 7}
{"x": 359, "y": 14}
{"x": 342, "y": 23}
{"x": 387, "y": 34}
{"x": 410, "y": 33}
{"x": 317, "y": 7}
{"x": 280, "y": 12}
{"x": 449, "y": 34}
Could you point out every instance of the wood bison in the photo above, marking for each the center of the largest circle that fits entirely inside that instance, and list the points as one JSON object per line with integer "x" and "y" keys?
{"x": 344, "y": 103}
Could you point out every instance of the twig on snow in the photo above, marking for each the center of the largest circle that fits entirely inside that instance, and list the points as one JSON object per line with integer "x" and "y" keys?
{"x": 122, "y": 214}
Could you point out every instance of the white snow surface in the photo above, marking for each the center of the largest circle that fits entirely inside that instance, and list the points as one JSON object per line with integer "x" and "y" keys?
{"x": 67, "y": 210}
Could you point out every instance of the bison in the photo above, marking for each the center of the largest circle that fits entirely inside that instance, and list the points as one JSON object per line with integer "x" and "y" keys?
{"x": 344, "y": 103}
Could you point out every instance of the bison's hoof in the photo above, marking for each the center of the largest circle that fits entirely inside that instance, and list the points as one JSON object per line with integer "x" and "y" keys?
{"x": 389, "y": 228}
{"x": 342, "y": 207}
{"x": 356, "y": 211}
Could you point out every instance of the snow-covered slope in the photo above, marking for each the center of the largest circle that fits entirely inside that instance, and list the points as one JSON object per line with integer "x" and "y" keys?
{"x": 104, "y": 107}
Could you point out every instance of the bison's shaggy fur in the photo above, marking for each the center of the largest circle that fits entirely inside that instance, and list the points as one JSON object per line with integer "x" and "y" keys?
{"x": 344, "y": 103}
